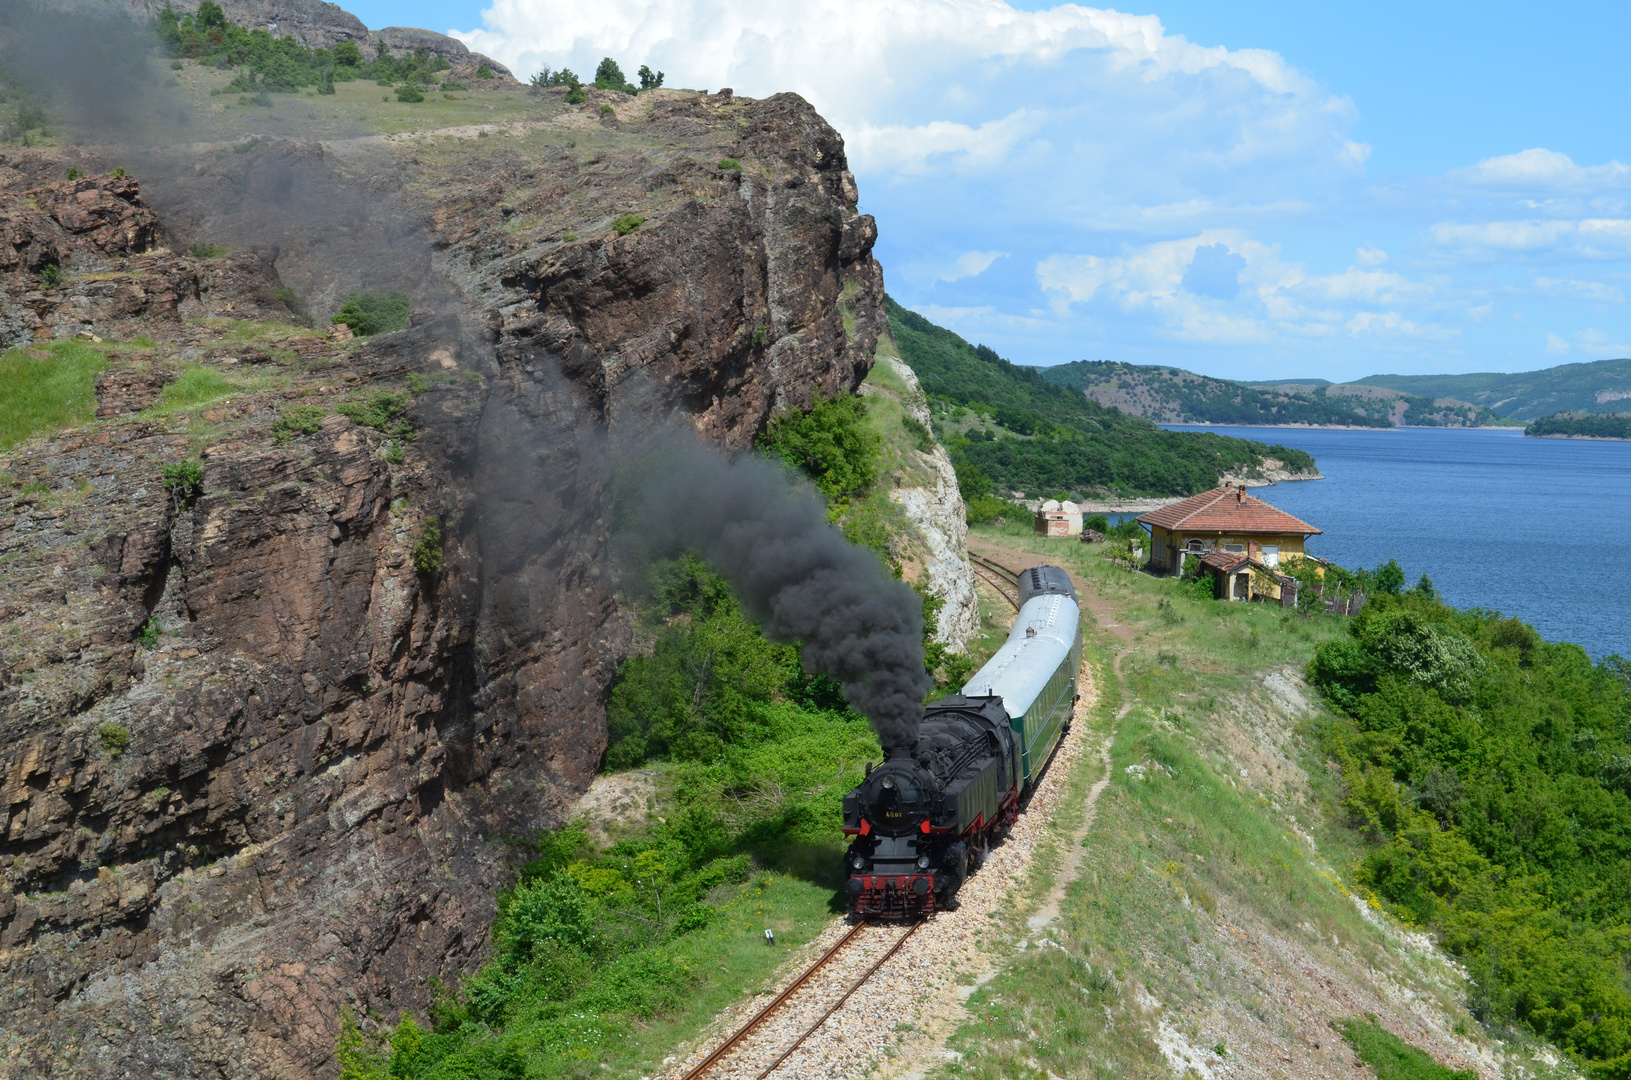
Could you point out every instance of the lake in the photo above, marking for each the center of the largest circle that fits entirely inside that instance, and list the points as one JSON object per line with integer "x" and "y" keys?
{"x": 1537, "y": 528}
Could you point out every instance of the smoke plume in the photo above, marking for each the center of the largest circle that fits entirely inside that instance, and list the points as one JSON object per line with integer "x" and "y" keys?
{"x": 796, "y": 573}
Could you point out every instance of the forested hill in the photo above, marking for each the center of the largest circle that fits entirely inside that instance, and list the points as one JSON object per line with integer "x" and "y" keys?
{"x": 1600, "y": 386}
{"x": 1170, "y": 395}
{"x": 1028, "y": 434}
{"x": 1581, "y": 426}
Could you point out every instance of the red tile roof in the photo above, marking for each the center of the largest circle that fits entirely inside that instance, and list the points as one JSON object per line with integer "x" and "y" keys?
{"x": 1226, "y": 510}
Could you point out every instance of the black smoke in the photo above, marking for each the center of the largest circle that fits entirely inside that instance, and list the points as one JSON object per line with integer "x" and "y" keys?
{"x": 770, "y": 538}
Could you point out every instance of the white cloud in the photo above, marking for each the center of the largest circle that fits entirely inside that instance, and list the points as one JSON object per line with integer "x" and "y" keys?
{"x": 1592, "y": 238}
{"x": 1556, "y": 345}
{"x": 1570, "y": 289}
{"x": 1355, "y": 153}
{"x": 1370, "y": 256}
{"x": 971, "y": 264}
{"x": 1392, "y": 323}
{"x": 910, "y": 149}
{"x": 1598, "y": 343}
{"x": 1538, "y": 169}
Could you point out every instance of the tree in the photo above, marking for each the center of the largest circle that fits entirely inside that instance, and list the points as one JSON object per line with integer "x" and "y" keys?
{"x": 210, "y": 16}
{"x": 650, "y": 80}
{"x": 346, "y": 54}
{"x": 608, "y": 76}
{"x": 1390, "y": 578}
{"x": 830, "y": 444}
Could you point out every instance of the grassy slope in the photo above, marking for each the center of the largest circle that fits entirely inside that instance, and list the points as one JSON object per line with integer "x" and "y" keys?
{"x": 1525, "y": 395}
{"x": 1211, "y": 881}
{"x": 1051, "y": 438}
{"x": 44, "y": 389}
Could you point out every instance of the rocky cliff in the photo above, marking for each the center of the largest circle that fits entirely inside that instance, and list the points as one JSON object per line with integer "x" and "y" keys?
{"x": 264, "y": 726}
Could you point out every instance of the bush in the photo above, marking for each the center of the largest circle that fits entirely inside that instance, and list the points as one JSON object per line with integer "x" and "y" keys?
{"x": 148, "y": 636}
{"x": 730, "y": 163}
{"x": 51, "y": 277}
{"x": 607, "y": 110}
{"x": 409, "y": 93}
{"x": 609, "y": 76}
{"x": 628, "y": 223}
{"x": 448, "y": 86}
{"x": 375, "y": 313}
{"x": 201, "y": 250}
{"x": 182, "y": 479}
{"x": 297, "y": 420}
{"x": 650, "y": 80}
{"x": 380, "y": 412}
{"x": 115, "y": 738}
{"x": 576, "y": 96}
{"x": 74, "y": 173}
{"x": 830, "y": 444}
{"x": 484, "y": 72}
{"x": 427, "y": 552}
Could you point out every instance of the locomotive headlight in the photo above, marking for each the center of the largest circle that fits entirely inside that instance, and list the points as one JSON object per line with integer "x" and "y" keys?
{"x": 922, "y": 862}
{"x": 858, "y": 862}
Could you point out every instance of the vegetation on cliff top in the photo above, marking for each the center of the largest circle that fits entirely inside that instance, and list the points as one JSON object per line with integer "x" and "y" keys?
{"x": 1493, "y": 771}
{"x": 1585, "y": 425}
{"x": 1039, "y": 437}
{"x": 1525, "y": 395}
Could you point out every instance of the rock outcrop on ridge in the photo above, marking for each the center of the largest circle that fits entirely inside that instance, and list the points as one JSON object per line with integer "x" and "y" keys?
{"x": 263, "y": 730}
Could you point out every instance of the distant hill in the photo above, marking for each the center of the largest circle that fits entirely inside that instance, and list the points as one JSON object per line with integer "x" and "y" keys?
{"x": 1600, "y": 386}
{"x": 1581, "y": 426}
{"x": 1170, "y": 395}
{"x": 1028, "y": 434}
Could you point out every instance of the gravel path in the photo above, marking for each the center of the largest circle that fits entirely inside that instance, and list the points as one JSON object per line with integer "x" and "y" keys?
{"x": 916, "y": 999}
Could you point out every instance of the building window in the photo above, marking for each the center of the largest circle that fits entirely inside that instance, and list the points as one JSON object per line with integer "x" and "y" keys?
{"x": 1271, "y": 555}
{"x": 1234, "y": 547}
{"x": 1195, "y": 545}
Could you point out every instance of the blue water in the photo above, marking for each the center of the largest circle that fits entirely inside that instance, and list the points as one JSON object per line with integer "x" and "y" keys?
{"x": 1536, "y": 528}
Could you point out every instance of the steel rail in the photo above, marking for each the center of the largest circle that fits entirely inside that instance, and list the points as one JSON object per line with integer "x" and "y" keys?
{"x": 999, "y": 577}
{"x": 856, "y": 985}
{"x": 792, "y": 988}
{"x": 1012, "y": 576}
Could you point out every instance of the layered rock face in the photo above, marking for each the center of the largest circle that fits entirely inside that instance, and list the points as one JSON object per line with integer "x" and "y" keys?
{"x": 259, "y": 752}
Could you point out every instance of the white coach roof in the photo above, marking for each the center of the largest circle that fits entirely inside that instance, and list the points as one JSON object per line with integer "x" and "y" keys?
{"x": 1022, "y": 667}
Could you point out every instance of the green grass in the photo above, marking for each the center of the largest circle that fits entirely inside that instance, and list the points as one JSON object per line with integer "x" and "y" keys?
{"x": 1391, "y": 1058}
{"x": 46, "y": 388}
{"x": 196, "y": 385}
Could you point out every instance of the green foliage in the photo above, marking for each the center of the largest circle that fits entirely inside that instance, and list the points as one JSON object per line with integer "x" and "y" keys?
{"x": 295, "y": 420}
{"x": 115, "y": 738}
{"x": 830, "y": 444}
{"x": 1524, "y": 395}
{"x": 576, "y": 96}
{"x": 148, "y": 637}
{"x": 979, "y": 496}
{"x": 281, "y": 65}
{"x": 1391, "y": 1058}
{"x": 183, "y": 478}
{"x": 628, "y": 223}
{"x": 730, "y": 163}
{"x": 1586, "y": 425}
{"x": 375, "y": 313}
{"x": 201, "y": 250}
{"x": 1389, "y": 577}
{"x": 409, "y": 93}
{"x": 45, "y": 389}
{"x": 118, "y": 172}
{"x": 427, "y": 551}
{"x": 1489, "y": 767}
{"x": 609, "y": 76}
{"x": 922, "y": 437}
{"x": 650, "y": 80}
{"x": 51, "y": 277}
{"x": 382, "y": 412}
{"x": 563, "y": 77}
{"x": 484, "y": 72}
{"x": 1056, "y": 439}
{"x": 448, "y": 86}
{"x": 593, "y": 944}
{"x": 607, "y": 110}
{"x": 74, "y": 173}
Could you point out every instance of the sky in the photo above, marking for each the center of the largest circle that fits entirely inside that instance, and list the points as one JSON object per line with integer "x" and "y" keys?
{"x": 1252, "y": 190}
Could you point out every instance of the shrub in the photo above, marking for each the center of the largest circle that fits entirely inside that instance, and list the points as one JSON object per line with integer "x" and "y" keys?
{"x": 201, "y": 250}
{"x": 182, "y": 479}
{"x": 609, "y": 76}
{"x": 74, "y": 173}
{"x": 730, "y": 163}
{"x": 576, "y": 96}
{"x": 409, "y": 93}
{"x": 115, "y": 738}
{"x": 148, "y": 637}
{"x": 427, "y": 552}
{"x": 375, "y": 313}
{"x": 650, "y": 80}
{"x": 628, "y": 223}
{"x": 607, "y": 110}
{"x": 922, "y": 437}
{"x": 448, "y": 85}
{"x": 51, "y": 277}
{"x": 484, "y": 72}
{"x": 380, "y": 412}
{"x": 830, "y": 444}
{"x": 118, "y": 172}
{"x": 297, "y": 420}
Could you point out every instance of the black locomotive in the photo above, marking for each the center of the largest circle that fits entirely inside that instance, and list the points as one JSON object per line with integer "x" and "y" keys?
{"x": 925, "y": 818}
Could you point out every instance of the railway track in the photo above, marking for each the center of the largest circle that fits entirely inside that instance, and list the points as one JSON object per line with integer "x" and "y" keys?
{"x": 998, "y": 576}
{"x": 760, "y": 1047}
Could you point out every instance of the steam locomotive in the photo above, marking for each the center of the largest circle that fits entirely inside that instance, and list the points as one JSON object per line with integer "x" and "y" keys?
{"x": 925, "y": 818}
